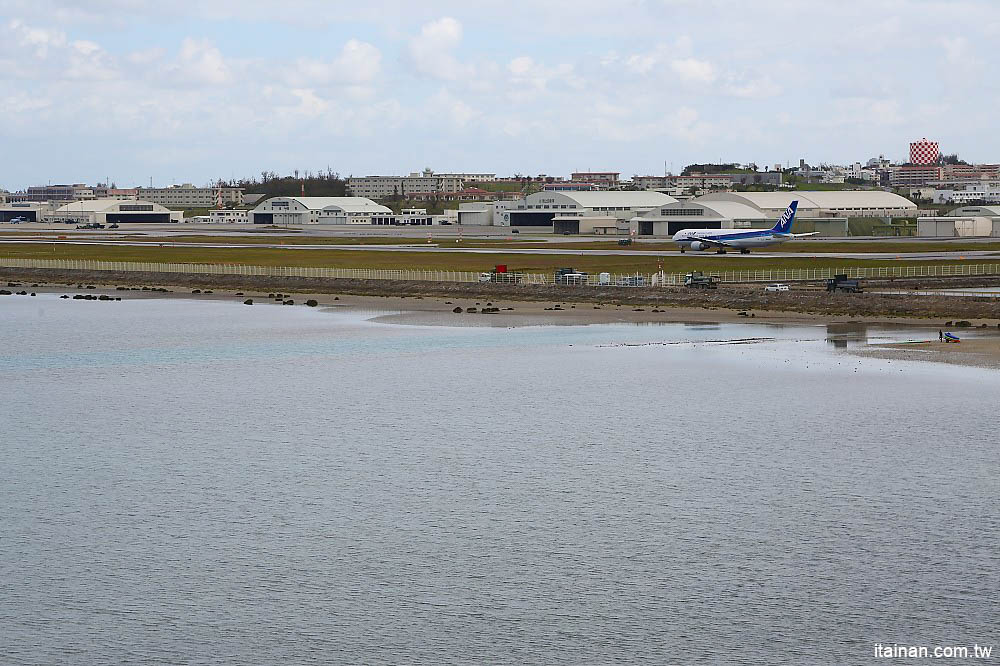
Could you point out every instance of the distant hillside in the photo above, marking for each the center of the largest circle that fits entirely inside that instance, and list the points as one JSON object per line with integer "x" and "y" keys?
{"x": 289, "y": 186}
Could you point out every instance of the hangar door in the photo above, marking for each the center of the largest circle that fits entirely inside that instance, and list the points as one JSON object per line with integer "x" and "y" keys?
{"x": 674, "y": 227}
{"x": 263, "y": 218}
{"x": 8, "y": 215}
{"x": 567, "y": 226}
{"x": 153, "y": 218}
{"x": 530, "y": 219}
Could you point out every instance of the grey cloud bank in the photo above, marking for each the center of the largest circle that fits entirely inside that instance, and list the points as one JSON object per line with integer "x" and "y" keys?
{"x": 180, "y": 91}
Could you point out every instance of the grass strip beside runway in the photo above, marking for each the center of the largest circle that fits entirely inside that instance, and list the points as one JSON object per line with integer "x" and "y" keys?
{"x": 402, "y": 259}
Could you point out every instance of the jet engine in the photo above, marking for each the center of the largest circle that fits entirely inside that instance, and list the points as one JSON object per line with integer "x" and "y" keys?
{"x": 697, "y": 245}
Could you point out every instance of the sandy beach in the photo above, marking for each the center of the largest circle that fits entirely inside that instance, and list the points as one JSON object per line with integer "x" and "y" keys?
{"x": 979, "y": 349}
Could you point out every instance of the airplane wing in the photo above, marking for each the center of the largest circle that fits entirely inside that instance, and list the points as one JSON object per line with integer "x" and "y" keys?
{"x": 710, "y": 241}
{"x": 811, "y": 233}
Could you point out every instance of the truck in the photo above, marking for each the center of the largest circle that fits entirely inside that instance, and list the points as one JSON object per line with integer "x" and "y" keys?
{"x": 506, "y": 277}
{"x": 570, "y": 276}
{"x": 501, "y": 275}
{"x": 699, "y": 280}
{"x": 841, "y": 282}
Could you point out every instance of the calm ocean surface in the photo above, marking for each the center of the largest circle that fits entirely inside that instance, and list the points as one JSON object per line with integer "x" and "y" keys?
{"x": 196, "y": 482}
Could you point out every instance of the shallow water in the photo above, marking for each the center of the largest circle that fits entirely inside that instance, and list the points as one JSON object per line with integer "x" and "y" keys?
{"x": 204, "y": 482}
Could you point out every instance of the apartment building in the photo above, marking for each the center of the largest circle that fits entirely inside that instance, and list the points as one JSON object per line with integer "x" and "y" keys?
{"x": 904, "y": 176}
{"x": 470, "y": 177}
{"x": 603, "y": 179}
{"x": 383, "y": 187}
{"x": 190, "y": 196}
{"x": 75, "y": 192}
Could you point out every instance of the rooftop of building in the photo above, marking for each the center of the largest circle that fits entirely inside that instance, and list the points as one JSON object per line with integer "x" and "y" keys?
{"x": 815, "y": 199}
{"x": 346, "y": 204}
{"x": 600, "y": 199}
{"x": 103, "y": 205}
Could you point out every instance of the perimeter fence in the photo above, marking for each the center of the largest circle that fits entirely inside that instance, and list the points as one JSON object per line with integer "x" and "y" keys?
{"x": 592, "y": 279}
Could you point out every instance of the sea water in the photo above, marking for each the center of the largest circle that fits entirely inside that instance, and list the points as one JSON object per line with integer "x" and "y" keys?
{"x": 204, "y": 482}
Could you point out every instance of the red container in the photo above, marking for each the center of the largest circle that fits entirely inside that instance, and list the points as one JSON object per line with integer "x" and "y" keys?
{"x": 501, "y": 268}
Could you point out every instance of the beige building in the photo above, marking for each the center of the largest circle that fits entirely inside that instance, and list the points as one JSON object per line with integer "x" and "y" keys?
{"x": 383, "y": 187}
{"x": 26, "y": 211}
{"x": 321, "y": 210}
{"x": 603, "y": 179}
{"x": 470, "y": 177}
{"x": 227, "y": 216}
{"x": 75, "y": 192}
{"x": 190, "y": 196}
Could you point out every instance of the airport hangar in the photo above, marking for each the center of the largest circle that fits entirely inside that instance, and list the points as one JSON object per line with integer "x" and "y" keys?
{"x": 964, "y": 222}
{"x": 598, "y": 212}
{"x": 825, "y": 212}
{"x": 29, "y": 211}
{"x": 112, "y": 211}
{"x": 321, "y": 210}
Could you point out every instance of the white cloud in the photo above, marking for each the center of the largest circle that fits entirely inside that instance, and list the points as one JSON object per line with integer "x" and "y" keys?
{"x": 40, "y": 40}
{"x": 761, "y": 88}
{"x": 146, "y": 56}
{"x": 694, "y": 70}
{"x": 525, "y": 73}
{"x": 309, "y": 103}
{"x": 358, "y": 63}
{"x": 543, "y": 88}
{"x": 200, "y": 62}
{"x": 431, "y": 51}
{"x": 957, "y": 51}
{"x": 458, "y": 112}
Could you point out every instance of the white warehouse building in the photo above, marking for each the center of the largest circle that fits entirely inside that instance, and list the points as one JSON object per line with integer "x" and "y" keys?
{"x": 968, "y": 221}
{"x": 113, "y": 211}
{"x": 584, "y": 212}
{"x": 819, "y": 204}
{"x": 824, "y": 212}
{"x": 320, "y": 210}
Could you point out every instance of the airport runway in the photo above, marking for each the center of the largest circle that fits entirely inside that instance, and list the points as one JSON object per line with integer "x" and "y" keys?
{"x": 431, "y": 247}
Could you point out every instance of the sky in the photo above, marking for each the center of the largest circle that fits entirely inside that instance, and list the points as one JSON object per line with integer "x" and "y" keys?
{"x": 140, "y": 91}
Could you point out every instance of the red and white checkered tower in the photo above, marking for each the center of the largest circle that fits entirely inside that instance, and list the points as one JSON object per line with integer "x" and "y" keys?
{"x": 924, "y": 152}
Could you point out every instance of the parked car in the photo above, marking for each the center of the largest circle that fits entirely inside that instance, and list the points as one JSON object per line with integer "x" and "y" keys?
{"x": 776, "y": 287}
{"x": 515, "y": 231}
{"x": 113, "y": 225}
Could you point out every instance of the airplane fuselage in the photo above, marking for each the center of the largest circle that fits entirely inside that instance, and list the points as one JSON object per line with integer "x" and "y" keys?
{"x": 734, "y": 239}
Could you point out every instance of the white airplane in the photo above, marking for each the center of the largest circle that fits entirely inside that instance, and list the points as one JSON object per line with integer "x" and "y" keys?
{"x": 721, "y": 240}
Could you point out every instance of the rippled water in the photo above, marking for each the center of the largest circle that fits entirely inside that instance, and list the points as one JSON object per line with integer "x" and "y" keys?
{"x": 203, "y": 482}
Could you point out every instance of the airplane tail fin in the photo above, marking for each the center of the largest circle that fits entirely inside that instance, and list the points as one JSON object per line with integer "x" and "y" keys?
{"x": 784, "y": 223}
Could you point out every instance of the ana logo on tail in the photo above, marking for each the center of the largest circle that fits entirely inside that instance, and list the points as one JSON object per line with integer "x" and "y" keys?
{"x": 784, "y": 225}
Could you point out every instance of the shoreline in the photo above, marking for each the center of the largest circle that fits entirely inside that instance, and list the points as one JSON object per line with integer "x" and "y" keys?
{"x": 972, "y": 351}
{"x": 439, "y": 310}
{"x": 980, "y": 346}
{"x": 798, "y": 304}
